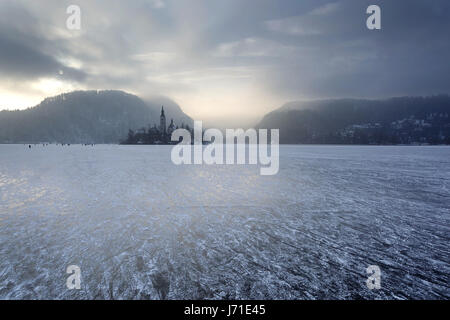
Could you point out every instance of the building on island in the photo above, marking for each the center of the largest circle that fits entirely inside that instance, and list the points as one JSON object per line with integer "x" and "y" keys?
{"x": 155, "y": 135}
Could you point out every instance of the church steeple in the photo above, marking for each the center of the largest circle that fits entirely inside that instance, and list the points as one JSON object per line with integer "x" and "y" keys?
{"x": 162, "y": 121}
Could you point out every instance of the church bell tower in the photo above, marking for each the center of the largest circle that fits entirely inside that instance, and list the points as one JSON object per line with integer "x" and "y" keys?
{"x": 162, "y": 121}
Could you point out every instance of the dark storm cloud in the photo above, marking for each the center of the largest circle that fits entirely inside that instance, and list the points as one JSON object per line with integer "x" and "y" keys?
{"x": 282, "y": 49}
{"x": 26, "y": 52}
{"x": 19, "y": 61}
{"x": 409, "y": 55}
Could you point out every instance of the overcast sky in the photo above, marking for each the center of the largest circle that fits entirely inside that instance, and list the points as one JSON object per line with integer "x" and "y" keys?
{"x": 224, "y": 58}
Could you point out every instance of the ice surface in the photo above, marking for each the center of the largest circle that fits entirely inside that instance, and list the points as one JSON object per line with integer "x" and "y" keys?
{"x": 140, "y": 227}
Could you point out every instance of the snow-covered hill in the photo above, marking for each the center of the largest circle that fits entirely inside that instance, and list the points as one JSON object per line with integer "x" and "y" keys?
{"x": 85, "y": 117}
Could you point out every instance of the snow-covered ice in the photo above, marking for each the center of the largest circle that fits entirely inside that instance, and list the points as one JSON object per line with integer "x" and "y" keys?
{"x": 140, "y": 227}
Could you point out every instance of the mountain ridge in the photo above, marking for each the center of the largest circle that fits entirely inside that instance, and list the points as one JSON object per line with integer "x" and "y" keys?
{"x": 94, "y": 116}
{"x": 398, "y": 120}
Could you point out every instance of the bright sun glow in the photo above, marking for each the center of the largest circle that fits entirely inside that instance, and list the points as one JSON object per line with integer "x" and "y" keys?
{"x": 51, "y": 86}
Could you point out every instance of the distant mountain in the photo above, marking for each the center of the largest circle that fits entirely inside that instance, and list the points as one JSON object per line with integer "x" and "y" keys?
{"x": 86, "y": 117}
{"x": 406, "y": 120}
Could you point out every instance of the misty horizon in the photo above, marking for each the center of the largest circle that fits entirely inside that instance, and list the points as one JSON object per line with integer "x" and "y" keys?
{"x": 232, "y": 121}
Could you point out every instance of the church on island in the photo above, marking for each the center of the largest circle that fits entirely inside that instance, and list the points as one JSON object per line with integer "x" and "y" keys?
{"x": 155, "y": 135}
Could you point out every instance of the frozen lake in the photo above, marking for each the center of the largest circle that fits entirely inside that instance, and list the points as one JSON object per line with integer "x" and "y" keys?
{"x": 140, "y": 227}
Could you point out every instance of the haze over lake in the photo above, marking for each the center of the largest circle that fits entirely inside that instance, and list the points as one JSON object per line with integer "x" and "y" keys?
{"x": 141, "y": 227}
